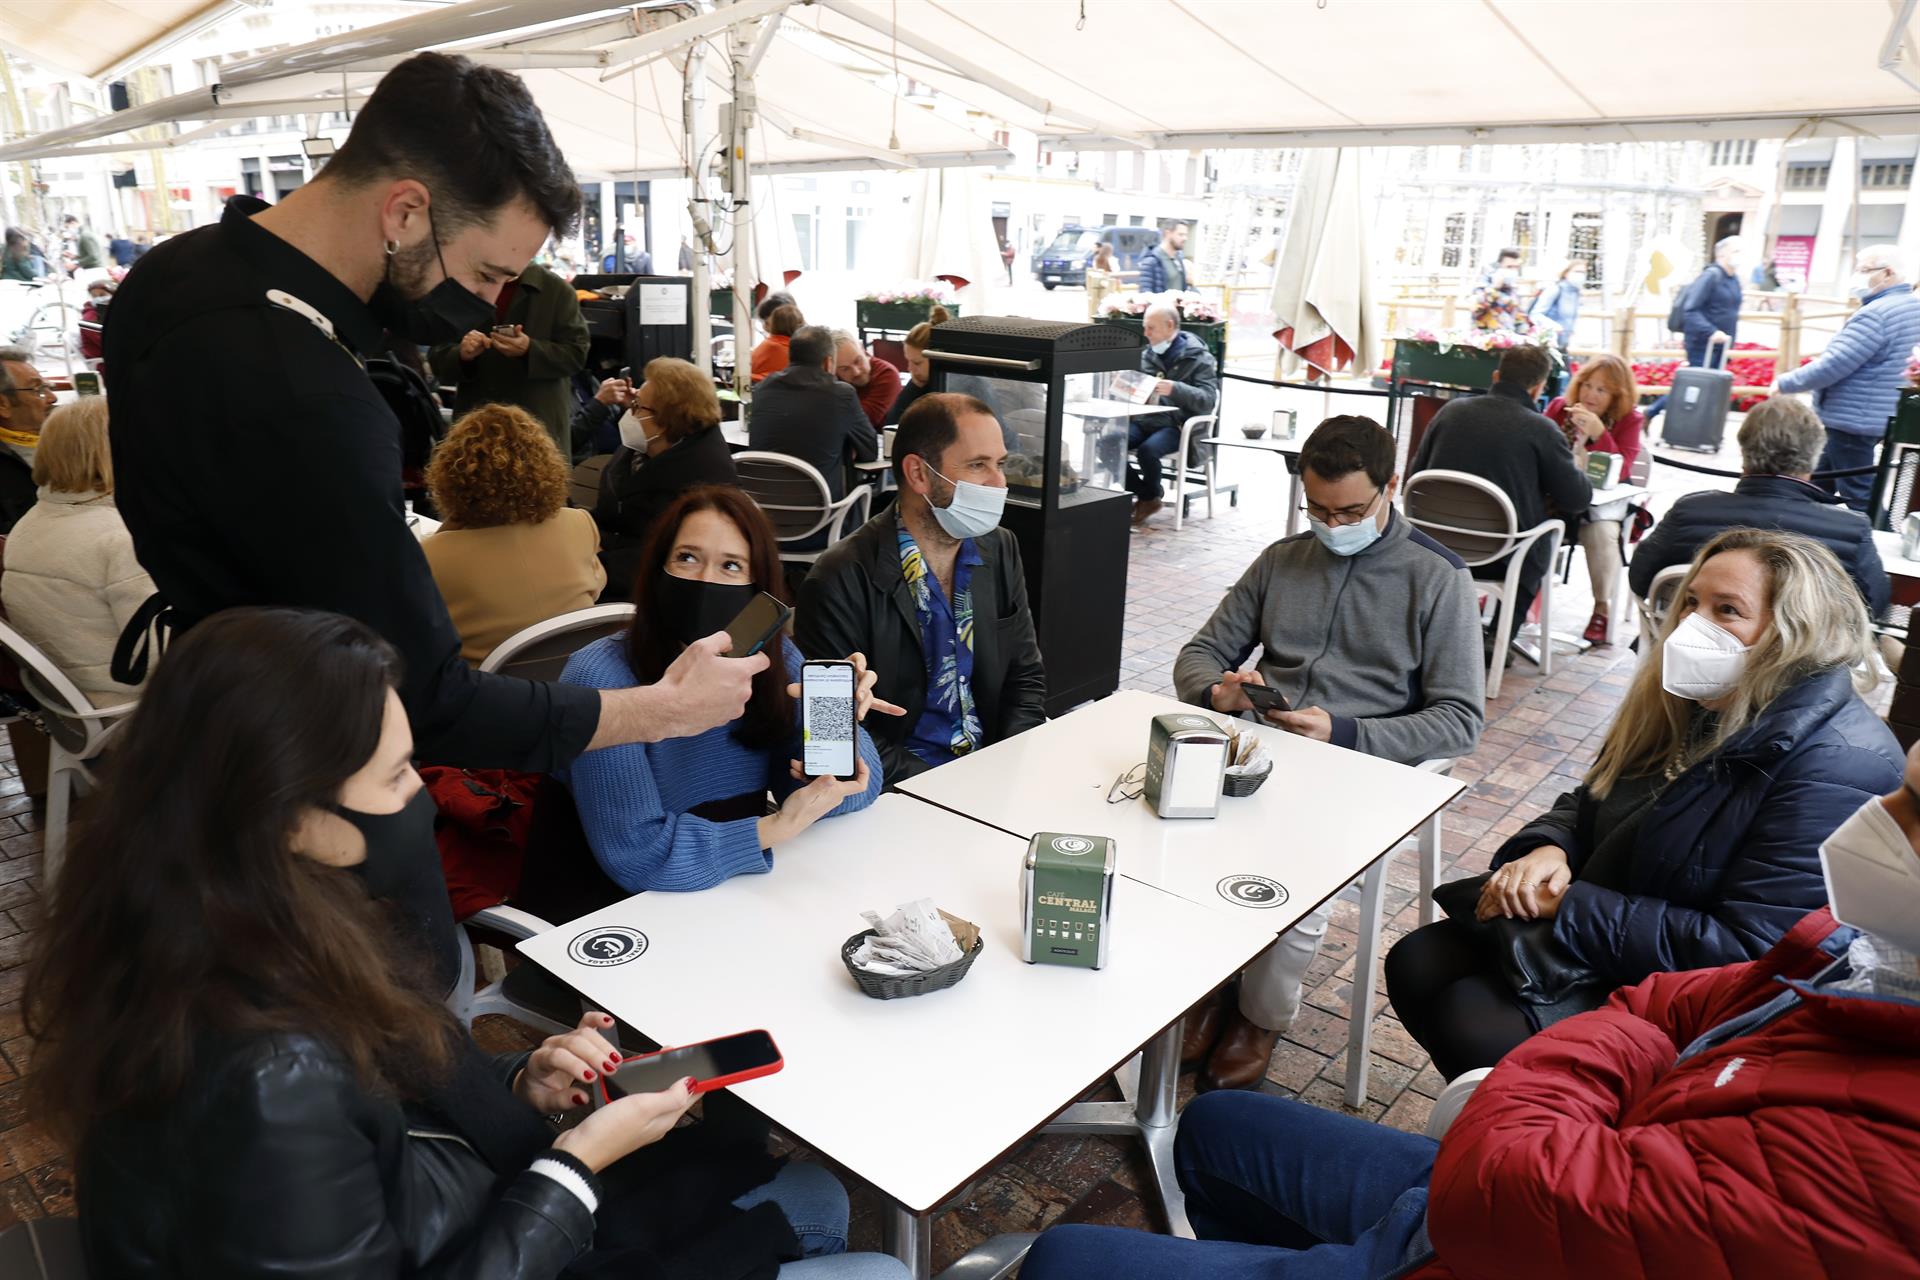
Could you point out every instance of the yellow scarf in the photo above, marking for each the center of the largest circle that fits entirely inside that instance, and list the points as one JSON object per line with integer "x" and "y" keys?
{"x": 19, "y": 439}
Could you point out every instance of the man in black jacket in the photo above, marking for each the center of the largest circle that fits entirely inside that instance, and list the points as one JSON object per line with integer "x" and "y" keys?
{"x": 805, "y": 412}
{"x": 1780, "y": 443}
{"x": 933, "y": 593}
{"x": 25, "y": 401}
{"x": 1500, "y": 437}
{"x": 1189, "y": 381}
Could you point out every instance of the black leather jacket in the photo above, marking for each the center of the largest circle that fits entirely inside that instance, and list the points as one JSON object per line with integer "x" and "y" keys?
{"x": 276, "y": 1162}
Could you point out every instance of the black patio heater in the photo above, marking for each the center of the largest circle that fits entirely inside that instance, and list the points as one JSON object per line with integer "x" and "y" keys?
{"x": 1051, "y": 385}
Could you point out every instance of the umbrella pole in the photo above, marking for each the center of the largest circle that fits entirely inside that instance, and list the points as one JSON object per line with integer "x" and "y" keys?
{"x": 739, "y": 48}
{"x": 692, "y": 104}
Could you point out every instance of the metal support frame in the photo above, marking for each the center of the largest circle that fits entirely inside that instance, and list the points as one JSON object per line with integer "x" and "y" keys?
{"x": 1150, "y": 1113}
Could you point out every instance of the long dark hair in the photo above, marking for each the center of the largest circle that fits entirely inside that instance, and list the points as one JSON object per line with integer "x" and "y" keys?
{"x": 652, "y": 643}
{"x": 182, "y": 910}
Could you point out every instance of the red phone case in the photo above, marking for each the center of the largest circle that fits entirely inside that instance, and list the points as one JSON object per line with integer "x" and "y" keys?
{"x": 718, "y": 1082}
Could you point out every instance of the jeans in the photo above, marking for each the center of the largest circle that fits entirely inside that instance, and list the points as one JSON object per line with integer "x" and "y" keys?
{"x": 1847, "y": 449}
{"x": 1150, "y": 442}
{"x": 815, "y": 1205}
{"x": 1276, "y": 1190}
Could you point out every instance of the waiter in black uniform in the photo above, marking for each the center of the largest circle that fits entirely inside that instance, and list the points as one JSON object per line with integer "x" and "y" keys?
{"x": 259, "y": 466}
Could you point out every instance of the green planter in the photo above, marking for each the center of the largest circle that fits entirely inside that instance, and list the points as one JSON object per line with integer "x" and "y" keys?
{"x": 1213, "y": 334}
{"x": 897, "y": 317}
{"x": 1453, "y": 367}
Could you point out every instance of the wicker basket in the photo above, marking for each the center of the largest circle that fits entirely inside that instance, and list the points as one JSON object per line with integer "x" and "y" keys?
{"x": 1241, "y": 785}
{"x": 885, "y": 988}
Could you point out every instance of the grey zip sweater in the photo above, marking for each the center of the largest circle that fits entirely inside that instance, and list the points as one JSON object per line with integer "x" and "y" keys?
{"x": 1387, "y": 642}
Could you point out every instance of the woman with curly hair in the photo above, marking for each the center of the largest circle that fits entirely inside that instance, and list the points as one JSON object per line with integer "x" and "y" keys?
{"x": 510, "y": 553}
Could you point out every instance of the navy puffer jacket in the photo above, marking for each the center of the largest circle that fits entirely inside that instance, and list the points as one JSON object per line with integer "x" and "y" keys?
{"x": 1728, "y": 859}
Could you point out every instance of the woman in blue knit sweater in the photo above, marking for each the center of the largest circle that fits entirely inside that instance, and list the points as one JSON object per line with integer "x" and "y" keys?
{"x": 687, "y": 813}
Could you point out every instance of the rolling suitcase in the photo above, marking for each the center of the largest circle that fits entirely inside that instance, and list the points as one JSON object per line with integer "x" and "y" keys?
{"x": 1698, "y": 404}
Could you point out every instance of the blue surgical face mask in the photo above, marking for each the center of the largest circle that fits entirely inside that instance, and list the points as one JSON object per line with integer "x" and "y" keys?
{"x": 1160, "y": 348}
{"x": 974, "y": 510}
{"x": 1348, "y": 539}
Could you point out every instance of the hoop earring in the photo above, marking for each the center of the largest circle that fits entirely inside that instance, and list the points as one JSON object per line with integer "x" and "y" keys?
{"x": 392, "y": 247}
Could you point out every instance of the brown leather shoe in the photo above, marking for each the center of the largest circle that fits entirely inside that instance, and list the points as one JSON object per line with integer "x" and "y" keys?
{"x": 1240, "y": 1060}
{"x": 1203, "y": 1028}
{"x": 1144, "y": 510}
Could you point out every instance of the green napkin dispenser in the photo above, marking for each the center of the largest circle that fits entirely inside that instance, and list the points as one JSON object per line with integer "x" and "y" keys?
{"x": 1186, "y": 766}
{"x": 1066, "y": 895}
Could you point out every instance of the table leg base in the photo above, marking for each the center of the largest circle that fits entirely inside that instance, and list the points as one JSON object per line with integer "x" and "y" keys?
{"x": 1120, "y": 1120}
{"x": 994, "y": 1259}
{"x": 908, "y": 1236}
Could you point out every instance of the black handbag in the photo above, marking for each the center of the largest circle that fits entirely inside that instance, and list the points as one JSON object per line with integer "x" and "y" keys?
{"x": 1540, "y": 970}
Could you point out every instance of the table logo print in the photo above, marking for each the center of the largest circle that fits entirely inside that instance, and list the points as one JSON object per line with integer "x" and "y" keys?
{"x": 610, "y": 944}
{"x": 1073, "y": 845}
{"x": 1257, "y": 892}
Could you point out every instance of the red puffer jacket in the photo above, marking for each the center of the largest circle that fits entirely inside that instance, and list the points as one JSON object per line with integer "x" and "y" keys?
{"x": 1789, "y": 1152}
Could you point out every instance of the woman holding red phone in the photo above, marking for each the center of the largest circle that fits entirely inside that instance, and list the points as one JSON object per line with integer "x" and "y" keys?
{"x": 252, "y": 1065}
{"x": 688, "y": 813}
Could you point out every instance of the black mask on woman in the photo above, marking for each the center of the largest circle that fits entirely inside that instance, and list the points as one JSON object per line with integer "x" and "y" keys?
{"x": 402, "y": 866}
{"x": 693, "y": 610}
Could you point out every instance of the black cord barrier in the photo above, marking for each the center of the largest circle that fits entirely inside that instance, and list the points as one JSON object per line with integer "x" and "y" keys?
{"x": 1735, "y": 475}
{"x": 1310, "y": 386}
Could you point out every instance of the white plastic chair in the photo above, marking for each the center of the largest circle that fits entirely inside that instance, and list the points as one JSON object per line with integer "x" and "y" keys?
{"x": 77, "y": 730}
{"x": 1429, "y": 848}
{"x": 498, "y": 996}
{"x": 1201, "y": 425}
{"x": 1659, "y": 598}
{"x": 540, "y": 652}
{"x": 1471, "y": 517}
{"x": 797, "y": 500}
{"x": 1452, "y": 1100}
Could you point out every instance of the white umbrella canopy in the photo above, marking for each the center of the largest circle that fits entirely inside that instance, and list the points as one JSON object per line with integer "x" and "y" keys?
{"x": 949, "y": 232}
{"x": 1323, "y": 278}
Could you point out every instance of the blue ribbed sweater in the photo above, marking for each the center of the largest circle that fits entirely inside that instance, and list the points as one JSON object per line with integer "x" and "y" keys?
{"x": 634, "y": 799}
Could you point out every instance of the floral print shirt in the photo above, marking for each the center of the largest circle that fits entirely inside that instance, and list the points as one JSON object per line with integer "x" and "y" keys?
{"x": 949, "y": 726}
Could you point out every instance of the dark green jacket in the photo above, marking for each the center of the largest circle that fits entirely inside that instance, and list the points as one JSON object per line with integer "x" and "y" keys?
{"x": 546, "y": 308}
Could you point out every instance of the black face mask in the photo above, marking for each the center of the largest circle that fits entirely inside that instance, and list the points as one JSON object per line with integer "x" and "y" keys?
{"x": 448, "y": 312}
{"x": 692, "y": 610}
{"x": 403, "y": 867}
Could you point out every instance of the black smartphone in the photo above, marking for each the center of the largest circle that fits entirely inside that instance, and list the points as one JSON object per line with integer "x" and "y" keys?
{"x": 1265, "y": 699}
{"x": 756, "y": 624}
{"x": 827, "y": 744}
{"x": 503, "y": 331}
{"x": 713, "y": 1064}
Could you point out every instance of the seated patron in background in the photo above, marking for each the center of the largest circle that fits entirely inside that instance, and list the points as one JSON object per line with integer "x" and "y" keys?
{"x": 1189, "y": 382}
{"x": 20, "y": 260}
{"x": 538, "y": 342}
{"x": 509, "y": 551}
{"x": 781, "y": 321}
{"x": 72, "y": 582}
{"x": 877, "y": 380}
{"x": 1693, "y": 840}
{"x": 806, "y": 413}
{"x": 934, "y": 594}
{"x": 1717, "y": 1122}
{"x": 1369, "y": 629}
{"x": 1780, "y": 443}
{"x": 1499, "y": 437}
{"x": 670, "y": 442}
{"x": 306, "y": 1106}
{"x": 1599, "y": 414}
{"x": 597, "y": 418}
{"x": 94, "y": 312}
{"x": 1856, "y": 381}
{"x": 919, "y": 368}
{"x": 691, "y": 812}
{"x": 25, "y": 401}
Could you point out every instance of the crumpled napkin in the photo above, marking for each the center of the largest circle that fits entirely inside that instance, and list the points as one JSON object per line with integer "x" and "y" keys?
{"x": 1246, "y": 753}
{"x": 915, "y": 939}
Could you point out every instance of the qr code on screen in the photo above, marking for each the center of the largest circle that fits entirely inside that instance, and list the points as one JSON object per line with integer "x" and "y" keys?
{"x": 829, "y": 719}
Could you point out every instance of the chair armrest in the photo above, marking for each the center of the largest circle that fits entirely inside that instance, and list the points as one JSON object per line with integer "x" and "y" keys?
{"x": 1441, "y": 765}
{"x": 1452, "y": 1100}
{"x": 511, "y": 921}
{"x": 862, "y": 494}
{"x": 1523, "y": 541}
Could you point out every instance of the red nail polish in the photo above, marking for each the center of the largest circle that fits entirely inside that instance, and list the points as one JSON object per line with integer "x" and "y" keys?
{"x": 579, "y": 1099}
{"x": 587, "y": 1075}
{"x": 616, "y": 1057}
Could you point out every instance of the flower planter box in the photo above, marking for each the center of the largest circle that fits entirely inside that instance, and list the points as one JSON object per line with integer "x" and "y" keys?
{"x": 1454, "y": 367}
{"x": 897, "y": 317}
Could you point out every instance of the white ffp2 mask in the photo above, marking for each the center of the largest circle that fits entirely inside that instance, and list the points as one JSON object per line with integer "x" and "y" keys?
{"x": 1873, "y": 876}
{"x": 1700, "y": 661}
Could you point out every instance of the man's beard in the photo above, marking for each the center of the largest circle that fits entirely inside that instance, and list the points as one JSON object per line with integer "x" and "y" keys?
{"x": 408, "y": 269}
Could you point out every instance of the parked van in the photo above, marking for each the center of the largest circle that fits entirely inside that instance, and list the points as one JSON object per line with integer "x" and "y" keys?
{"x": 1065, "y": 260}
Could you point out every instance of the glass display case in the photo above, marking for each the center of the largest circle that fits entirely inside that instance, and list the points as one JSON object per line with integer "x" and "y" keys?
{"x": 1059, "y": 391}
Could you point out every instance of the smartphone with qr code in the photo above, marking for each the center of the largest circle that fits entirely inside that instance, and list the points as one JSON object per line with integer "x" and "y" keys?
{"x": 826, "y": 720}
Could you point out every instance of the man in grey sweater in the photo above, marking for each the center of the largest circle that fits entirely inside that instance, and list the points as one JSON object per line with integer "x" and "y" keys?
{"x": 1370, "y": 630}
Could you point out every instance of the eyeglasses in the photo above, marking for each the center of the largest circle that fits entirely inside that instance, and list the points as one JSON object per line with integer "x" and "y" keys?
{"x": 40, "y": 389}
{"x": 1135, "y": 778}
{"x": 1345, "y": 515}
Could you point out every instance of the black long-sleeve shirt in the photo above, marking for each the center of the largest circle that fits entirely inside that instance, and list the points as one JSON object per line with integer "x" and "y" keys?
{"x": 257, "y": 465}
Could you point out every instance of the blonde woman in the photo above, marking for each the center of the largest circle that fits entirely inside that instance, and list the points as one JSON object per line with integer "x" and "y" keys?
{"x": 510, "y": 552}
{"x": 1694, "y": 838}
{"x": 1600, "y": 413}
{"x": 72, "y": 582}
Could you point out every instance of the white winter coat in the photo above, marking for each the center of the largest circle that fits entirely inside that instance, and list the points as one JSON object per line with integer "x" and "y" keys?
{"x": 71, "y": 583}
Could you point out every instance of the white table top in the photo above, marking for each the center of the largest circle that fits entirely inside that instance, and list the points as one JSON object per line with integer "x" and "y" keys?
{"x": 1324, "y": 815}
{"x": 1617, "y": 493}
{"x": 1887, "y": 543}
{"x": 916, "y": 1096}
{"x": 735, "y": 433}
{"x": 1092, "y": 408}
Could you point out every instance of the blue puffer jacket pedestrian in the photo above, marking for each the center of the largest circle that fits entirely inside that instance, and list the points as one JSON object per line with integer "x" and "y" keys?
{"x": 1712, "y": 305}
{"x": 1727, "y": 859}
{"x": 1856, "y": 381}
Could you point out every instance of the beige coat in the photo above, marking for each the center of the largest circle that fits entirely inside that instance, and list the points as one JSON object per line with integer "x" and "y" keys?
{"x": 71, "y": 584}
{"x": 497, "y": 581}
